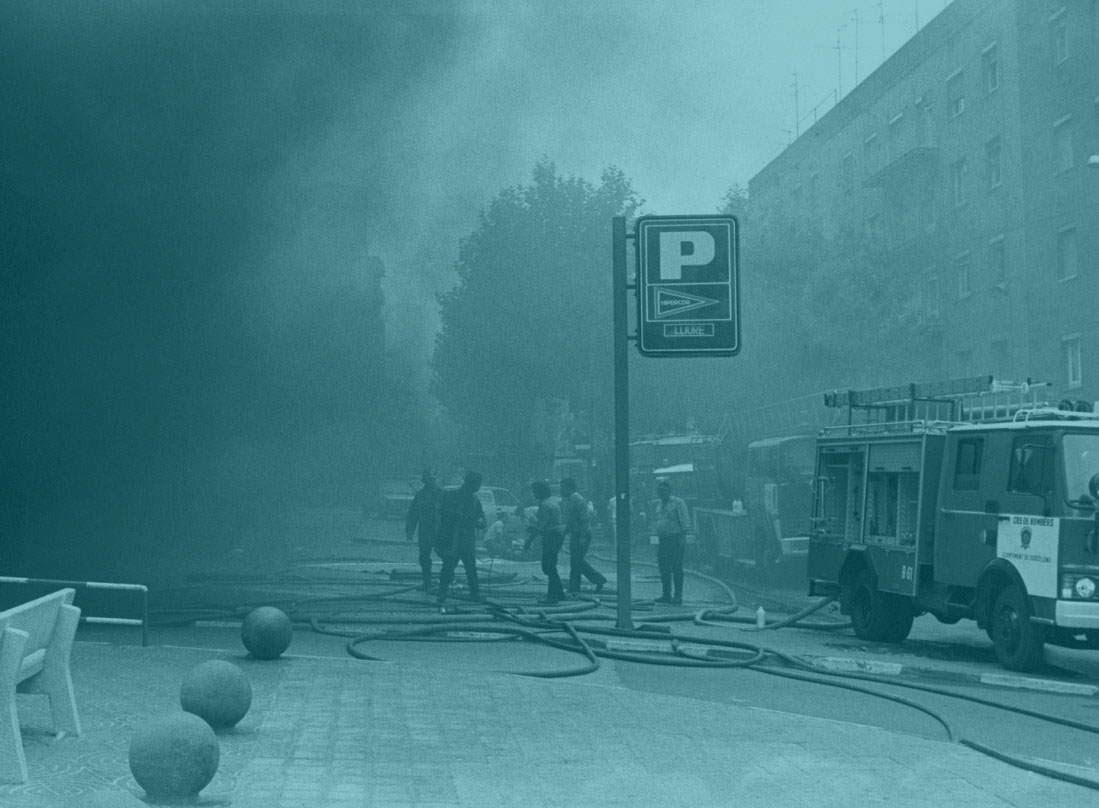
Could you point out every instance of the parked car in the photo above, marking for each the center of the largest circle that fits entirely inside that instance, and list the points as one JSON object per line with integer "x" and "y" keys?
{"x": 496, "y": 501}
{"x": 394, "y": 497}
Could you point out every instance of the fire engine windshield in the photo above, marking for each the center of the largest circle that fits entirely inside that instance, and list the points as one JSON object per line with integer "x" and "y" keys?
{"x": 1081, "y": 462}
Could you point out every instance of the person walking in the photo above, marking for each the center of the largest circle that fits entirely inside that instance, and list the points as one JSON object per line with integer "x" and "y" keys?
{"x": 423, "y": 515}
{"x": 577, "y": 515}
{"x": 547, "y": 527}
{"x": 671, "y": 521}
{"x": 460, "y": 516}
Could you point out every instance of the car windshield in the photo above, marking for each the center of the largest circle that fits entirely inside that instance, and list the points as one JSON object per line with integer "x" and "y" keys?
{"x": 504, "y": 498}
{"x": 1081, "y": 462}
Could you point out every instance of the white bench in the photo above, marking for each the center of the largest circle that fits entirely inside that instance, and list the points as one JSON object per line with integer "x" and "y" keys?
{"x": 35, "y": 641}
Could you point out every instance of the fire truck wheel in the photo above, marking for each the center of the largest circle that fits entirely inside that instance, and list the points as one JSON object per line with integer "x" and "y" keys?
{"x": 1017, "y": 641}
{"x": 878, "y": 616}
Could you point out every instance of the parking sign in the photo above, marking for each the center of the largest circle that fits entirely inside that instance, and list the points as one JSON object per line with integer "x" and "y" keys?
{"x": 687, "y": 285}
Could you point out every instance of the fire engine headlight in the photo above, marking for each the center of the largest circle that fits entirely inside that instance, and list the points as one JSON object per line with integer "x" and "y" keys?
{"x": 1085, "y": 588}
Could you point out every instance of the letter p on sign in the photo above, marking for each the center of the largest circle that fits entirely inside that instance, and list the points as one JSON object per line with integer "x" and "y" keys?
{"x": 686, "y": 248}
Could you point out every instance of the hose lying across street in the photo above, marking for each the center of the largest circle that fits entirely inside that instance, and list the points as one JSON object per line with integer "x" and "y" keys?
{"x": 572, "y": 627}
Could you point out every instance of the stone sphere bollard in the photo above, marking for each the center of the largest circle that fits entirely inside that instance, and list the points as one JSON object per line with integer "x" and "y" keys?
{"x": 174, "y": 757}
{"x": 266, "y": 632}
{"x": 216, "y": 691}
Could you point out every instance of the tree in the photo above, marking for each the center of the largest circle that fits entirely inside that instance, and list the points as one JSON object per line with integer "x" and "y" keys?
{"x": 530, "y": 316}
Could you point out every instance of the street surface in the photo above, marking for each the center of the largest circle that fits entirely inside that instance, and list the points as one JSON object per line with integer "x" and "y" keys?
{"x": 348, "y": 573}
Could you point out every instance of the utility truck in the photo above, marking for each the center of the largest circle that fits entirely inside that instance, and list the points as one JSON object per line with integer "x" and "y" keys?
{"x": 939, "y": 498}
{"x": 771, "y": 523}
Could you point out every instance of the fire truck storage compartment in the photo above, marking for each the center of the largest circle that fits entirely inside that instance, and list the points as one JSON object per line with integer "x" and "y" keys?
{"x": 840, "y": 480}
{"x": 892, "y": 494}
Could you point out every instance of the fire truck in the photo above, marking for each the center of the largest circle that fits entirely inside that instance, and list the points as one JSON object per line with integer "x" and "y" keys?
{"x": 771, "y": 523}
{"x": 941, "y": 499}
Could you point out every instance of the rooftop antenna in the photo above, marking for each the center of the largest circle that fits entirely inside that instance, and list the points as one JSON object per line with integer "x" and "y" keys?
{"x": 881, "y": 19}
{"x": 839, "y": 60}
{"x": 797, "y": 112}
{"x": 856, "y": 20}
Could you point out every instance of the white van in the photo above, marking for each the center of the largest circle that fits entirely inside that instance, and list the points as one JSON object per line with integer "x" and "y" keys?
{"x": 496, "y": 501}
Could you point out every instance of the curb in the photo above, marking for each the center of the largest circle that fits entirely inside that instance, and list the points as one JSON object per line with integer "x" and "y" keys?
{"x": 851, "y": 665}
{"x": 879, "y": 668}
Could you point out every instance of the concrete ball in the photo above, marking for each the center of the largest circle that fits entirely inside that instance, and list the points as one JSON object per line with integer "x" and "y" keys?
{"x": 174, "y": 757}
{"x": 266, "y": 632}
{"x": 218, "y": 692}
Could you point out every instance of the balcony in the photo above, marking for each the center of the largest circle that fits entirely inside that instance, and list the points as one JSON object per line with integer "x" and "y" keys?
{"x": 921, "y": 162}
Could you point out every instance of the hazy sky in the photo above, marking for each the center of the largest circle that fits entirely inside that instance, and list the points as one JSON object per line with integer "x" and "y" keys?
{"x": 687, "y": 97}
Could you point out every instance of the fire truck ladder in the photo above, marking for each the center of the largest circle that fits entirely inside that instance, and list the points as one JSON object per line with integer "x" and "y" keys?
{"x": 803, "y": 414}
{"x": 975, "y": 399}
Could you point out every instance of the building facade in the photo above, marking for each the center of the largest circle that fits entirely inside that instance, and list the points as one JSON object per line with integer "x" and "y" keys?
{"x": 964, "y": 158}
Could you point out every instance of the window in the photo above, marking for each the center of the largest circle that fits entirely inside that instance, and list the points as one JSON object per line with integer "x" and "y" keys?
{"x": 896, "y": 132}
{"x": 1066, "y": 253}
{"x": 1070, "y": 350}
{"x": 958, "y": 173}
{"x": 873, "y": 228}
{"x": 1060, "y": 36}
{"x": 993, "y": 163}
{"x": 847, "y": 177}
{"x": 870, "y": 151}
{"x": 1031, "y": 465}
{"x": 990, "y": 66}
{"x": 961, "y": 269}
{"x": 964, "y": 361}
{"x": 931, "y": 300}
{"x": 1001, "y": 358}
{"x": 955, "y": 94}
{"x": 997, "y": 262}
{"x": 928, "y": 210}
{"x": 967, "y": 466}
{"x": 1062, "y": 145}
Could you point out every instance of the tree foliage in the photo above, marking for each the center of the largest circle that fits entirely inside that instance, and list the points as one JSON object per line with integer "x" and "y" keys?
{"x": 820, "y": 311}
{"x": 530, "y": 316}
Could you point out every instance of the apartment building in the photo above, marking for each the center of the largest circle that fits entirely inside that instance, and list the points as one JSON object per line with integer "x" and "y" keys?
{"x": 967, "y": 159}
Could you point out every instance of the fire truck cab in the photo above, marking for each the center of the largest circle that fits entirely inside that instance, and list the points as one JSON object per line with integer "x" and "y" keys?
{"x": 994, "y": 520}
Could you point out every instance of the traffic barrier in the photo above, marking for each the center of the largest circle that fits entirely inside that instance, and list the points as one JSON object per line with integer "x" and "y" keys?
{"x": 111, "y": 621}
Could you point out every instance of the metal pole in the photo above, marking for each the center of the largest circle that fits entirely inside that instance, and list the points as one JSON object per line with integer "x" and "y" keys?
{"x": 621, "y": 422}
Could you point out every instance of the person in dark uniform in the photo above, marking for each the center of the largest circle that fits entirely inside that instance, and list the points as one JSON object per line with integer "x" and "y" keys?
{"x": 423, "y": 514}
{"x": 672, "y": 522}
{"x": 577, "y": 516}
{"x": 460, "y": 516}
{"x": 547, "y": 527}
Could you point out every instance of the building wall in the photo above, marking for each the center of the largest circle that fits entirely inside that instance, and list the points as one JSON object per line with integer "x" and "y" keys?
{"x": 1060, "y": 99}
{"x": 943, "y": 157}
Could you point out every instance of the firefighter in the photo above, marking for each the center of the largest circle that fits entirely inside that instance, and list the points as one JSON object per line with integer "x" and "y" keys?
{"x": 671, "y": 521}
{"x": 577, "y": 514}
{"x": 460, "y": 516}
{"x": 423, "y": 514}
{"x": 547, "y": 527}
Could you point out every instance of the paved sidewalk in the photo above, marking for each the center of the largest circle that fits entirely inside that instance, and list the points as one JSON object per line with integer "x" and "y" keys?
{"x": 335, "y": 733}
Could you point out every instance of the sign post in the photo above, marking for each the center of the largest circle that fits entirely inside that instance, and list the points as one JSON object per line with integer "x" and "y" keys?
{"x": 687, "y": 305}
{"x": 621, "y": 425}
